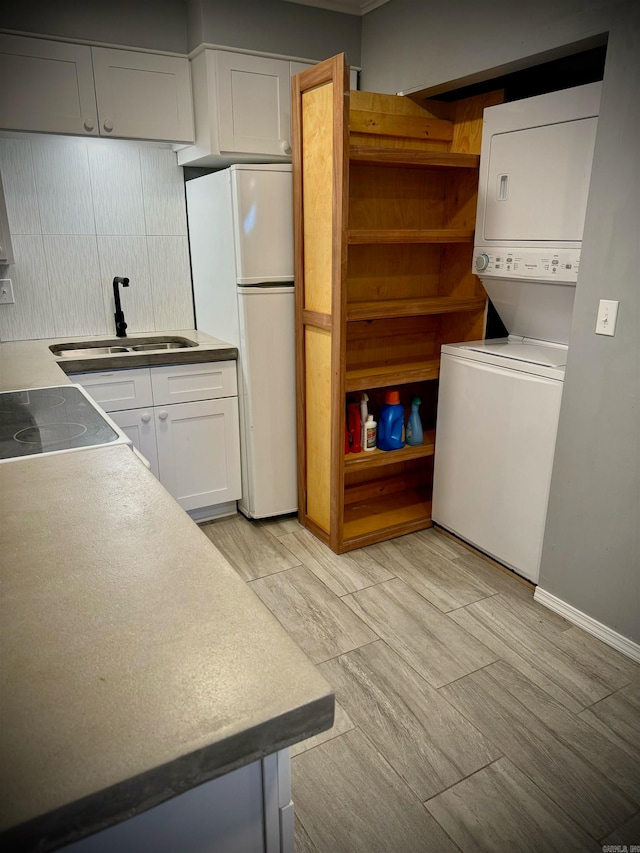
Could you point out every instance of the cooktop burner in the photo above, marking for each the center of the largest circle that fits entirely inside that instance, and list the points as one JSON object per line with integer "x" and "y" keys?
{"x": 50, "y": 420}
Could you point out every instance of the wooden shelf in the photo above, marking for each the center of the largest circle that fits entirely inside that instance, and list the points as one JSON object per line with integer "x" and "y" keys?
{"x": 410, "y": 235}
{"x": 382, "y": 375}
{"x": 412, "y": 158}
{"x": 381, "y": 518}
{"x": 371, "y": 459}
{"x": 388, "y": 308}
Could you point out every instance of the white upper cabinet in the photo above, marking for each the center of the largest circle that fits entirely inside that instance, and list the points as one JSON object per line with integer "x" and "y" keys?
{"x": 254, "y": 104}
{"x": 47, "y": 86}
{"x": 242, "y": 107}
{"x": 57, "y": 87}
{"x": 143, "y": 95}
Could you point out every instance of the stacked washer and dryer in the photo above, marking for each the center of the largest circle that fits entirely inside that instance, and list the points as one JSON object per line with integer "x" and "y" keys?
{"x": 499, "y": 399}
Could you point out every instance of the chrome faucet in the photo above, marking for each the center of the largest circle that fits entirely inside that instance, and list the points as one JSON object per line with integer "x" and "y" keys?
{"x": 121, "y": 326}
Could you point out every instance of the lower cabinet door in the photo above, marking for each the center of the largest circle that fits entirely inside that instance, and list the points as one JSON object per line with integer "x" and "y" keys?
{"x": 139, "y": 425}
{"x": 199, "y": 451}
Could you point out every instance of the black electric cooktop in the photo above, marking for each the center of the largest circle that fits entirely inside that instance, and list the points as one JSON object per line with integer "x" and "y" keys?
{"x": 50, "y": 420}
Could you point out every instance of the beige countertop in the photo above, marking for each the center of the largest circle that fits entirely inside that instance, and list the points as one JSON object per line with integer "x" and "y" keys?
{"x": 135, "y": 662}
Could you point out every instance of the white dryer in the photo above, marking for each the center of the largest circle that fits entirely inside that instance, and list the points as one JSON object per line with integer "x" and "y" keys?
{"x": 499, "y": 400}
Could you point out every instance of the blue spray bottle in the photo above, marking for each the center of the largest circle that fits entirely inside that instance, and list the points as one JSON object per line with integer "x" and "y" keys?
{"x": 414, "y": 432}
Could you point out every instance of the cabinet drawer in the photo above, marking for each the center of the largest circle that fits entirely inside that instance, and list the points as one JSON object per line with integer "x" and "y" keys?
{"x": 117, "y": 390}
{"x": 186, "y": 383}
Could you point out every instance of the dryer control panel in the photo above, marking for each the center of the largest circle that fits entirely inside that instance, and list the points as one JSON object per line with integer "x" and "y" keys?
{"x": 559, "y": 265}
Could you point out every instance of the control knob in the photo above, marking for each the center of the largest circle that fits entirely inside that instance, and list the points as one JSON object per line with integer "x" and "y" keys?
{"x": 482, "y": 261}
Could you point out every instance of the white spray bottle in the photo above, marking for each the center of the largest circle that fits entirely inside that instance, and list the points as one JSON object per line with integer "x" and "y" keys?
{"x": 364, "y": 411}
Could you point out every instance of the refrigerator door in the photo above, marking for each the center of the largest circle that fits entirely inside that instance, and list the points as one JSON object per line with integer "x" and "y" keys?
{"x": 267, "y": 401}
{"x": 263, "y": 223}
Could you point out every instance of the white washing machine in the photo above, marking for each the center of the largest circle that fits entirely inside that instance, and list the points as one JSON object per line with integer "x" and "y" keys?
{"x": 499, "y": 400}
{"x": 498, "y": 412}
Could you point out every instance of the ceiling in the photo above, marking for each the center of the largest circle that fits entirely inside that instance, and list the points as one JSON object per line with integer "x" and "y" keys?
{"x": 349, "y": 7}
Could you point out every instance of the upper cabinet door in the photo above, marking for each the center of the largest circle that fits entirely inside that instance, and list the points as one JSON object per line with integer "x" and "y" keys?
{"x": 143, "y": 95}
{"x": 253, "y": 104}
{"x": 47, "y": 86}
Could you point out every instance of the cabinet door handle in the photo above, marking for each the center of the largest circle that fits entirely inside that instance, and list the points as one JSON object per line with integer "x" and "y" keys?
{"x": 108, "y": 125}
{"x": 145, "y": 418}
{"x": 285, "y": 147}
{"x": 163, "y": 416}
{"x": 88, "y": 124}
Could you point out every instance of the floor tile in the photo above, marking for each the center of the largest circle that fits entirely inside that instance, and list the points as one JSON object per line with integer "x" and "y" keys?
{"x": 575, "y": 784}
{"x": 499, "y": 579}
{"x": 503, "y": 625}
{"x": 321, "y": 624}
{"x": 280, "y": 525}
{"x": 426, "y": 740}
{"x": 611, "y": 761}
{"x": 499, "y": 808}
{"x": 627, "y": 834}
{"x": 350, "y": 801}
{"x": 342, "y": 723}
{"x": 425, "y": 638}
{"x": 603, "y": 663}
{"x": 302, "y": 842}
{"x": 618, "y": 718}
{"x": 252, "y": 551}
{"x": 438, "y": 579}
{"x": 340, "y": 572}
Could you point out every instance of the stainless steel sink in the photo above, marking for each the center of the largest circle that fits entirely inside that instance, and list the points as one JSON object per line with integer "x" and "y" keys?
{"x": 87, "y": 352}
{"x": 156, "y": 346}
{"x": 87, "y": 349}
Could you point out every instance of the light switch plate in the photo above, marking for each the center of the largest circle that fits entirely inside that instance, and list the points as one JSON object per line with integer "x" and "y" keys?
{"x": 607, "y": 316}
{"x": 6, "y": 292}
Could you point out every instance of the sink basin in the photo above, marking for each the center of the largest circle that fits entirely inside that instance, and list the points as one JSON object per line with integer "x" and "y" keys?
{"x": 87, "y": 349}
{"x": 158, "y": 345}
{"x": 87, "y": 352}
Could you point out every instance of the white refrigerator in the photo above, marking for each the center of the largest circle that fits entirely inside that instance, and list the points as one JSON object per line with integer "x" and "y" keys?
{"x": 241, "y": 241}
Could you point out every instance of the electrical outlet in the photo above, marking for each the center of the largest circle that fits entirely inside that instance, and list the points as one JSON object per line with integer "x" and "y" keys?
{"x": 6, "y": 292}
{"x": 607, "y": 316}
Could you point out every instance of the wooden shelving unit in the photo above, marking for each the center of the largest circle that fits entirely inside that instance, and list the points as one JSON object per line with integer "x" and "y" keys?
{"x": 413, "y": 235}
{"x": 385, "y": 194}
{"x": 379, "y": 458}
{"x": 412, "y": 307}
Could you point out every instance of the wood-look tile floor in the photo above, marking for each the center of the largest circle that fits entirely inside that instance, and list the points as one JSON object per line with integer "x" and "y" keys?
{"x": 468, "y": 717}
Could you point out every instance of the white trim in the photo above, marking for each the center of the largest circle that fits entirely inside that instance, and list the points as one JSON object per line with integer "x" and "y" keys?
{"x": 209, "y": 513}
{"x": 589, "y": 624}
{"x": 207, "y": 45}
{"x": 345, "y": 7}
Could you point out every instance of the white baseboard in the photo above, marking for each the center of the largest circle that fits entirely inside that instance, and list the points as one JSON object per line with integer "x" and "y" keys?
{"x": 589, "y": 624}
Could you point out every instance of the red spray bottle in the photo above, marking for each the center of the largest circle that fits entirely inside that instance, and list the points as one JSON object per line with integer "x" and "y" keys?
{"x": 354, "y": 425}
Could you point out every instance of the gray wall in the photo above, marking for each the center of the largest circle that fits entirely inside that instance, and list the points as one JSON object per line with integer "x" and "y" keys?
{"x": 269, "y": 26}
{"x": 274, "y": 26}
{"x": 154, "y": 24}
{"x": 591, "y": 554}
{"x": 411, "y": 44}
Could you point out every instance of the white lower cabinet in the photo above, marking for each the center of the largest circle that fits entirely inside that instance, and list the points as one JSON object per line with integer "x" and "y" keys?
{"x": 199, "y": 451}
{"x": 139, "y": 425}
{"x": 184, "y": 420}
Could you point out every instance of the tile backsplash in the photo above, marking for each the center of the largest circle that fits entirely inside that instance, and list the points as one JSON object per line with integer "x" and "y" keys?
{"x": 81, "y": 212}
